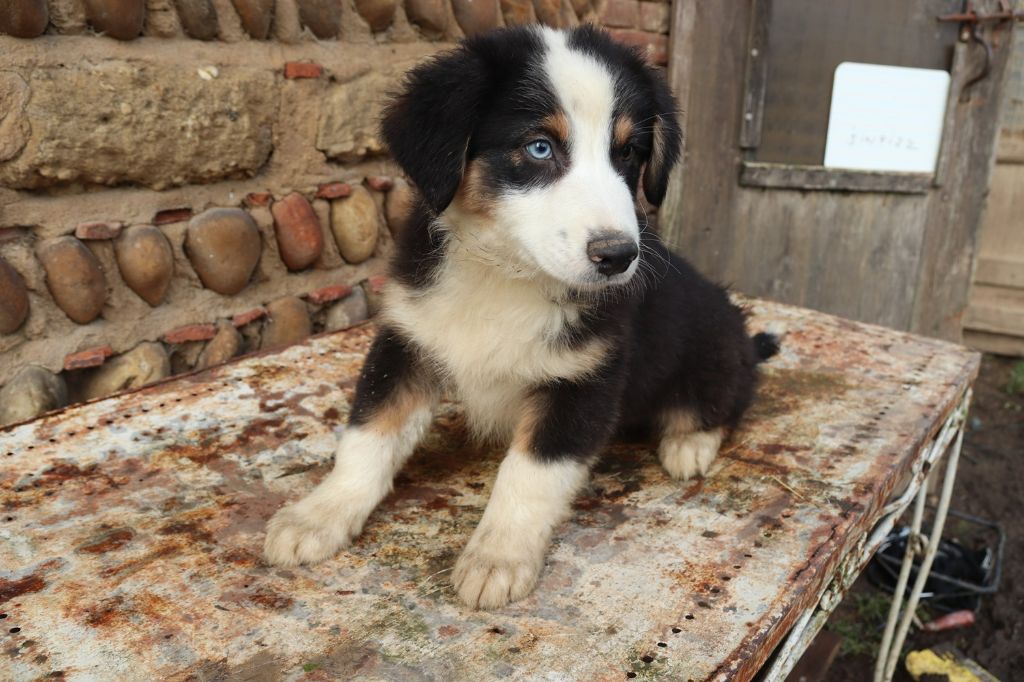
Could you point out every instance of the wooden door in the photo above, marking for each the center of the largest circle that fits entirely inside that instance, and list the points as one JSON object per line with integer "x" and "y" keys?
{"x": 753, "y": 207}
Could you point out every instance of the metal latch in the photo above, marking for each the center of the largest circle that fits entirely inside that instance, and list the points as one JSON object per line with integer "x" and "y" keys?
{"x": 970, "y": 31}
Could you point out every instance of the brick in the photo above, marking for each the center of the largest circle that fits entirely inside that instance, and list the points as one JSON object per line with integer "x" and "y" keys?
{"x": 172, "y": 215}
{"x": 93, "y": 357}
{"x": 380, "y": 183}
{"x": 302, "y": 70}
{"x": 331, "y": 293}
{"x": 242, "y": 319}
{"x": 9, "y": 234}
{"x": 621, "y": 13}
{"x": 191, "y": 332}
{"x": 253, "y": 199}
{"x": 376, "y": 283}
{"x": 653, "y": 45}
{"x": 333, "y": 190}
{"x": 98, "y": 230}
{"x": 654, "y": 16}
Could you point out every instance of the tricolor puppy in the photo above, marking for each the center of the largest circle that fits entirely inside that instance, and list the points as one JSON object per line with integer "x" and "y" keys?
{"x": 526, "y": 285}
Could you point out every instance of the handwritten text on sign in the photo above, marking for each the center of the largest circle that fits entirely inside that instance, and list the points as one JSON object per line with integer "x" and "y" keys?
{"x": 886, "y": 118}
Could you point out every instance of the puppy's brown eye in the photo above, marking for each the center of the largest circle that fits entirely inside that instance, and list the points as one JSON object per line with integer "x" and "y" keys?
{"x": 626, "y": 152}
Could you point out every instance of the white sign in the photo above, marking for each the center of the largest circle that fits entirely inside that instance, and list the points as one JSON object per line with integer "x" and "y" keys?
{"x": 886, "y": 118}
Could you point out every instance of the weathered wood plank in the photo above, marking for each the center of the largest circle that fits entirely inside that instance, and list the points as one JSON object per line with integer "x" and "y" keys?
{"x": 954, "y": 215}
{"x": 756, "y": 75}
{"x": 1005, "y": 272}
{"x": 1011, "y": 136}
{"x": 786, "y": 176}
{"x": 1002, "y": 344}
{"x": 998, "y": 310}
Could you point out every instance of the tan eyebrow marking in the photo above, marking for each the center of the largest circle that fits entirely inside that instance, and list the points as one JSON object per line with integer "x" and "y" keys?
{"x": 557, "y": 124}
{"x": 473, "y": 193}
{"x": 623, "y": 130}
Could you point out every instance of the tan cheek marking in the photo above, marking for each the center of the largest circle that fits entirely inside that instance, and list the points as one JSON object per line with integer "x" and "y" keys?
{"x": 623, "y": 130}
{"x": 474, "y": 196}
{"x": 557, "y": 124}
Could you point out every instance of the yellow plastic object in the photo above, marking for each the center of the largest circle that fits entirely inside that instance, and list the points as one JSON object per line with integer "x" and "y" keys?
{"x": 928, "y": 662}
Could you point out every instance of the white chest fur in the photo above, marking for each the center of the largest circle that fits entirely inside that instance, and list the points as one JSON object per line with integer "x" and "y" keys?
{"x": 492, "y": 337}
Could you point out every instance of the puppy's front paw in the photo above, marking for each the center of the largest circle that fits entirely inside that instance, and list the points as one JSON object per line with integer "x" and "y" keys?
{"x": 687, "y": 456}
{"x": 301, "y": 534}
{"x": 486, "y": 579}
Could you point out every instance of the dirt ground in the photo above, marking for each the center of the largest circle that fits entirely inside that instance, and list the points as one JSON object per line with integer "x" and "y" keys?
{"x": 990, "y": 484}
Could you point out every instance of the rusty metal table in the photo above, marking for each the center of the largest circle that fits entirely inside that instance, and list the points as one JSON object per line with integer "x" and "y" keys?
{"x": 131, "y": 528}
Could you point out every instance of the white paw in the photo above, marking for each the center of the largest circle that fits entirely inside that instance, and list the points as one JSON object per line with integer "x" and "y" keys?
{"x": 303, "y": 534}
{"x": 488, "y": 580}
{"x": 687, "y": 456}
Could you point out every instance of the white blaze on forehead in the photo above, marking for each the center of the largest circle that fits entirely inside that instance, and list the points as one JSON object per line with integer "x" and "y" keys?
{"x": 585, "y": 89}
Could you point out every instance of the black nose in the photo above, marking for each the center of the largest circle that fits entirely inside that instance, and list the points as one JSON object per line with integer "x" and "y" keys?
{"x": 612, "y": 255}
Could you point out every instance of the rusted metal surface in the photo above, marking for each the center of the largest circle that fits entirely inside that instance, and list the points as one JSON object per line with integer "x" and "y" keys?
{"x": 131, "y": 527}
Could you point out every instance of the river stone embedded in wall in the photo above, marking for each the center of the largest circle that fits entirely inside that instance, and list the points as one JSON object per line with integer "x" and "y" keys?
{"x": 398, "y": 205}
{"x": 198, "y": 18}
{"x": 287, "y": 323}
{"x": 322, "y": 17}
{"x": 221, "y": 348}
{"x": 13, "y": 299}
{"x": 146, "y": 262}
{"x": 223, "y": 245}
{"x": 356, "y": 225}
{"x": 121, "y": 19}
{"x": 74, "y": 277}
{"x": 256, "y": 16}
{"x": 430, "y": 15}
{"x": 518, "y": 12}
{"x": 142, "y": 365}
{"x": 548, "y": 12}
{"x": 350, "y": 115}
{"x": 378, "y": 13}
{"x": 31, "y": 392}
{"x": 568, "y": 15}
{"x": 23, "y": 18}
{"x": 476, "y": 16}
{"x": 174, "y": 126}
{"x": 351, "y": 310}
{"x": 300, "y": 239}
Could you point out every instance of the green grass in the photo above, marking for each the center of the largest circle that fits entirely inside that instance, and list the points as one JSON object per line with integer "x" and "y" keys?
{"x": 1015, "y": 384}
{"x": 860, "y": 625}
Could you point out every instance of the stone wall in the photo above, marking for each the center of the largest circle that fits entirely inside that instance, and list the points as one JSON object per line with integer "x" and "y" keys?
{"x": 183, "y": 181}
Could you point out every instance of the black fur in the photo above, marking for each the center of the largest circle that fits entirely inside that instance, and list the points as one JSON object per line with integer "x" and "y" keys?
{"x": 390, "y": 364}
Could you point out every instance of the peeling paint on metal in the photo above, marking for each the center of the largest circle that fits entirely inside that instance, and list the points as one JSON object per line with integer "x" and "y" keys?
{"x": 131, "y": 527}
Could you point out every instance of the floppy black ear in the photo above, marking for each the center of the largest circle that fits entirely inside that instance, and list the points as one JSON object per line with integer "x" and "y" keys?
{"x": 667, "y": 140}
{"x": 427, "y": 126}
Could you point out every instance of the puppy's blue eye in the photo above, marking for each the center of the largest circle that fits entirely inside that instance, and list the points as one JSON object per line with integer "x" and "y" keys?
{"x": 539, "y": 149}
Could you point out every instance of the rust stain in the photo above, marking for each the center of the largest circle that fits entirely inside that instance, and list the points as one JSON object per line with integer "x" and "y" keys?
{"x": 107, "y": 541}
{"x": 9, "y": 589}
{"x": 108, "y": 612}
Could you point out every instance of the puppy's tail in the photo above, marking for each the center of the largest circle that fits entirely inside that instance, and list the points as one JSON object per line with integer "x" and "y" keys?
{"x": 765, "y": 345}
